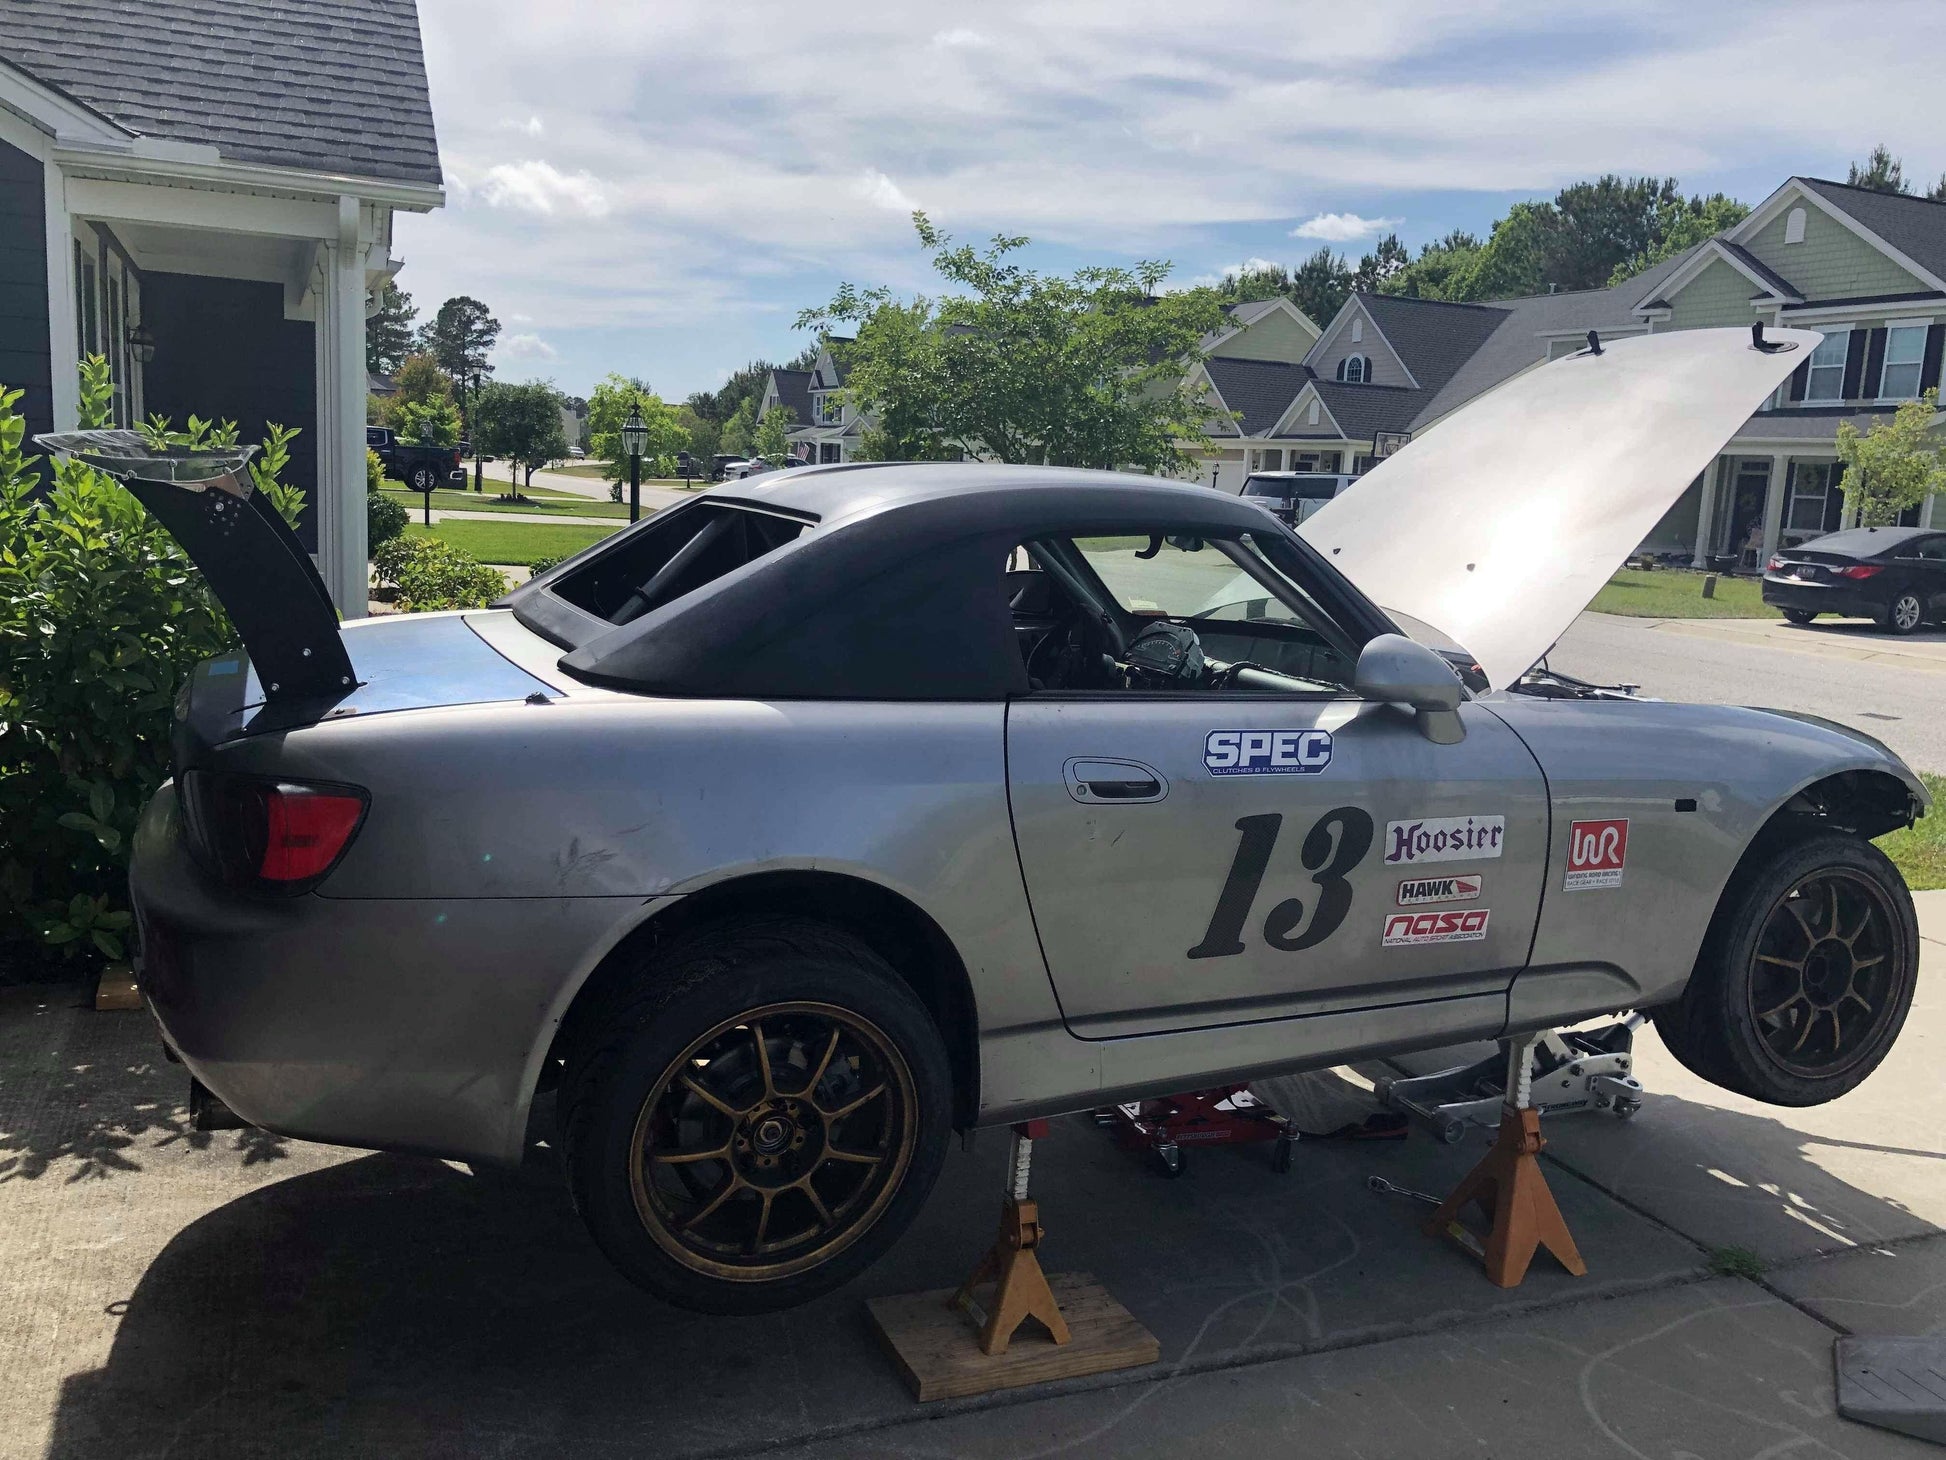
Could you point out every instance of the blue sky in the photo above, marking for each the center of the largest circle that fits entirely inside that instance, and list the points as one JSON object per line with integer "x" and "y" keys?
{"x": 657, "y": 189}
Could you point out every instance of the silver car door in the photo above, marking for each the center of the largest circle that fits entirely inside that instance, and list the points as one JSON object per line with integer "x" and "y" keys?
{"x": 1203, "y": 858}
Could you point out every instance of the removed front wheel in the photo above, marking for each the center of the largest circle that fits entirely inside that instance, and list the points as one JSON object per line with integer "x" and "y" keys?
{"x": 1805, "y": 976}
{"x": 760, "y": 1121}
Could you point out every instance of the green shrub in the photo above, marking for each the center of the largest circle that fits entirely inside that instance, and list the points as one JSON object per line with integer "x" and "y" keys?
{"x": 427, "y": 575}
{"x": 102, "y": 616}
{"x": 541, "y": 565}
{"x": 385, "y": 517}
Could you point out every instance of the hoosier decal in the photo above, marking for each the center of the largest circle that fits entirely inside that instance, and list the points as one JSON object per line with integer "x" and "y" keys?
{"x": 1597, "y": 854}
{"x": 1445, "y": 839}
{"x": 1460, "y": 926}
{"x": 1438, "y": 889}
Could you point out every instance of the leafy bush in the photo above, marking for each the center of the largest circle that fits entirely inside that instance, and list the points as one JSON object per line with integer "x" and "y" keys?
{"x": 385, "y": 517}
{"x": 427, "y": 575}
{"x": 102, "y": 616}
{"x": 541, "y": 565}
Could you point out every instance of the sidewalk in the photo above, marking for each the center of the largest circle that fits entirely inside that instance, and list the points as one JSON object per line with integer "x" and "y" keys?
{"x": 1839, "y": 639}
{"x": 237, "y": 1294}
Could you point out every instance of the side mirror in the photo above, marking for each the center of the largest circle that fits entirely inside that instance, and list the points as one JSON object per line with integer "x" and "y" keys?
{"x": 1394, "y": 670}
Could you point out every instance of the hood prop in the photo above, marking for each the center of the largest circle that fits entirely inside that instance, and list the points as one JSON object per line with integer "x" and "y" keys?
{"x": 253, "y": 562}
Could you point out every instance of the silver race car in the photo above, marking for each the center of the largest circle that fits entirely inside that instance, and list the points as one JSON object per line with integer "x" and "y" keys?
{"x": 817, "y": 817}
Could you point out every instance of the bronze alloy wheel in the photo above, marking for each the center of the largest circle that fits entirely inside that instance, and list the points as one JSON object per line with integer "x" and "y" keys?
{"x": 1823, "y": 979}
{"x": 773, "y": 1141}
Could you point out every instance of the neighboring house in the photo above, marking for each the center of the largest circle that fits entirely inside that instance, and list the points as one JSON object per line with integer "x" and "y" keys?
{"x": 574, "y": 424}
{"x": 825, "y": 429}
{"x": 1866, "y": 268}
{"x": 203, "y": 191}
{"x": 378, "y": 383}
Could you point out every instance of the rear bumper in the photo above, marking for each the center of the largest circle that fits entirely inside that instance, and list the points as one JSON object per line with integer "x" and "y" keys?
{"x": 1850, "y": 601}
{"x": 394, "y": 1024}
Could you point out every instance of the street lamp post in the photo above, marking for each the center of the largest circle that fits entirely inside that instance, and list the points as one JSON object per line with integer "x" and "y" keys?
{"x": 472, "y": 392}
{"x": 635, "y": 439}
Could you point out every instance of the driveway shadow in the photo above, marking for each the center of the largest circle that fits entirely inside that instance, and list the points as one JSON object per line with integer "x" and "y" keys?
{"x": 395, "y": 1305}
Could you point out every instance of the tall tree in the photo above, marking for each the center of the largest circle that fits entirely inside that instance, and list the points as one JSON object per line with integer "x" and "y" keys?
{"x": 389, "y": 332}
{"x": 1882, "y": 173}
{"x": 460, "y": 337}
{"x": 1386, "y": 261}
{"x": 772, "y": 438}
{"x": 608, "y": 408}
{"x": 1897, "y": 464}
{"x": 1319, "y": 286}
{"x": 1698, "y": 218}
{"x": 1085, "y": 369}
{"x": 521, "y": 423}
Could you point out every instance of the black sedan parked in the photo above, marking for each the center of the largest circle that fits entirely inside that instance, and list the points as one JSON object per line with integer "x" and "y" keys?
{"x": 1896, "y": 575}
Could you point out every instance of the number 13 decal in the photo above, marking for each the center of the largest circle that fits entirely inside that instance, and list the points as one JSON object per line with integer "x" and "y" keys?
{"x": 1334, "y": 845}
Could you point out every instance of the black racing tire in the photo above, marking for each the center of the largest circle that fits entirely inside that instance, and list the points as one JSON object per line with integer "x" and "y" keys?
{"x": 1814, "y": 933}
{"x": 423, "y": 479}
{"x": 691, "y": 1141}
{"x": 1905, "y": 613}
{"x": 1799, "y": 616}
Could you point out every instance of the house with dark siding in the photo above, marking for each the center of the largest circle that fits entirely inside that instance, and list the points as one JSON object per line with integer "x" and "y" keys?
{"x": 203, "y": 193}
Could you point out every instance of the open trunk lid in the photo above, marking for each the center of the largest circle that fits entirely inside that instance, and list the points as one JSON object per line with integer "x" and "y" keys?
{"x": 296, "y": 667}
{"x": 1498, "y": 527}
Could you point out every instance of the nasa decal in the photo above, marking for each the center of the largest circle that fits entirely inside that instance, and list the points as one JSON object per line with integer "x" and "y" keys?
{"x": 1267, "y": 752}
{"x": 1460, "y": 925}
{"x": 1597, "y": 854}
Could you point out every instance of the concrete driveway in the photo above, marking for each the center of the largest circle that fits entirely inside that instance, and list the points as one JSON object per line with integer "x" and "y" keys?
{"x": 1889, "y": 686}
{"x": 235, "y": 1294}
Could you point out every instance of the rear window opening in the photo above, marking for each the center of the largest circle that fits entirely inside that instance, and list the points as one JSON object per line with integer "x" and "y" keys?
{"x": 671, "y": 558}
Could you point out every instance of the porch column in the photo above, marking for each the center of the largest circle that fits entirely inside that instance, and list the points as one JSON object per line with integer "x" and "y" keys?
{"x": 64, "y": 335}
{"x": 342, "y": 550}
{"x": 1774, "y": 497}
{"x": 1706, "y": 513}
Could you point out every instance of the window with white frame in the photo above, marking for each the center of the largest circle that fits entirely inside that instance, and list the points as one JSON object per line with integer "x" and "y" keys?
{"x": 1825, "y": 379}
{"x": 1905, "y": 352}
{"x": 1810, "y": 504}
{"x": 830, "y": 410}
{"x": 1354, "y": 369}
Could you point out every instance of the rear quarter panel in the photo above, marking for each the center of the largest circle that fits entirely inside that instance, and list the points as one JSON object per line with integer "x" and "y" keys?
{"x": 1602, "y": 948}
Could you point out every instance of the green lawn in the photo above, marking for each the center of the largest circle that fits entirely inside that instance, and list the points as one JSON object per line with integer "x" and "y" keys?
{"x": 549, "y": 504}
{"x": 1678, "y": 593}
{"x": 520, "y": 544}
{"x": 1920, "y": 850}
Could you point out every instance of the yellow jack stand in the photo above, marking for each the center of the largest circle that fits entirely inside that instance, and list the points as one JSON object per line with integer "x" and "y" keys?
{"x": 1020, "y": 1287}
{"x": 1509, "y": 1184}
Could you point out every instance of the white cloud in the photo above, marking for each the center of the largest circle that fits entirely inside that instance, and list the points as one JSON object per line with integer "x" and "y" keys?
{"x": 525, "y": 347}
{"x": 1252, "y": 265}
{"x": 540, "y": 187}
{"x": 881, "y": 192}
{"x": 530, "y": 128}
{"x": 1342, "y": 227}
{"x": 961, "y": 39}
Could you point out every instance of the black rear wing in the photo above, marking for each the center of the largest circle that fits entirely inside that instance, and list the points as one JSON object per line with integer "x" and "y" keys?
{"x": 253, "y": 562}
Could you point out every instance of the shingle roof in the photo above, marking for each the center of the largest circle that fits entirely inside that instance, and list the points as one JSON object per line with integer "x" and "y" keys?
{"x": 1362, "y": 409}
{"x": 1258, "y": 389}
{"x": 324, "y": 86}
{"x": 1775, "y": 281}
{"x": 794, "y": 392}
{"x": 1809, "y": 423}
{"x": 1914, "y": 226}
{"x": 1433, "y": 338}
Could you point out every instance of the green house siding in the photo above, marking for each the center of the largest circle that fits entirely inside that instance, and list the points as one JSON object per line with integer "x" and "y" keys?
{"x": 1274, "y": 337}
{"x": 1832, "y": 262}
{"x": 1718, "y": 296}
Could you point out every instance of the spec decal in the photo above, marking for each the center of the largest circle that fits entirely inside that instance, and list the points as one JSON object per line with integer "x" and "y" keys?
{"x": 1444, "y": 839}
{"x": 1267, "y": 752}
{"x": 1597, "y": 854}
{"x": 1438, "y": 889}
{"x": 1461, "y": 926}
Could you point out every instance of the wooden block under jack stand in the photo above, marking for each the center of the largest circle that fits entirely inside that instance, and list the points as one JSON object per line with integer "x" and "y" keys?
{"x": 938, "y": 1350}
{"x": 1510, "y": 1185}
{"x": 116, "y": 988}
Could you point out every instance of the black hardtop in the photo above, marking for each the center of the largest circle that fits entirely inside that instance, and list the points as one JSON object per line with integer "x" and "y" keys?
{"x": 1860, "y": 542}
{"x": 892, "y": 592}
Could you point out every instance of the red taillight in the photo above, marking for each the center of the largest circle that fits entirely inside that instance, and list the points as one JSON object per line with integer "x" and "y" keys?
{"x": 277, "y": 836}
{"x": 305, "y": 831}
{"x": 1860, "y": 570}
{"x": 1775, "y": 565}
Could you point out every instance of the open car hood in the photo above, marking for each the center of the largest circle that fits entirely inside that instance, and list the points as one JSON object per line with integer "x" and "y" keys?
{"x": 1498, "y": 527}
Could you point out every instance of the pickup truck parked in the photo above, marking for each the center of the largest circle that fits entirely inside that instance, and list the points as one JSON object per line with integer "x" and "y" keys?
{"x": 421, "y": 468}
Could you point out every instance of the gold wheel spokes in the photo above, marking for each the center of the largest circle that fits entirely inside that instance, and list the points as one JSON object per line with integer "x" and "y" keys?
{"x": 1795, "y": 965}
{"x": 709, "y": 1097}
{"x": 684, "y": 1158}
{"x": 1796, "y": 995}
{"x": 843, "y": 1110}
{"x": 863, "y": 1158}
{"x": 730, "y": 1188}
{"x": 763, "y": 1061}
{"x": 763, "y": 1223}
{"x": 1796, "y": 906}
{"x": 830, "y": 1049}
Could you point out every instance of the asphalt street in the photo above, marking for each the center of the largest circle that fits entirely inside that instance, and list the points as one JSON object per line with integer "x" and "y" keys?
{"x": 1901, "y": 705}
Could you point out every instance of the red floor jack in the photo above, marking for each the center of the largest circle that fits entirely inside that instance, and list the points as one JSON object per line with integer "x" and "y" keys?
{"x": 1224, "y": 1116}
